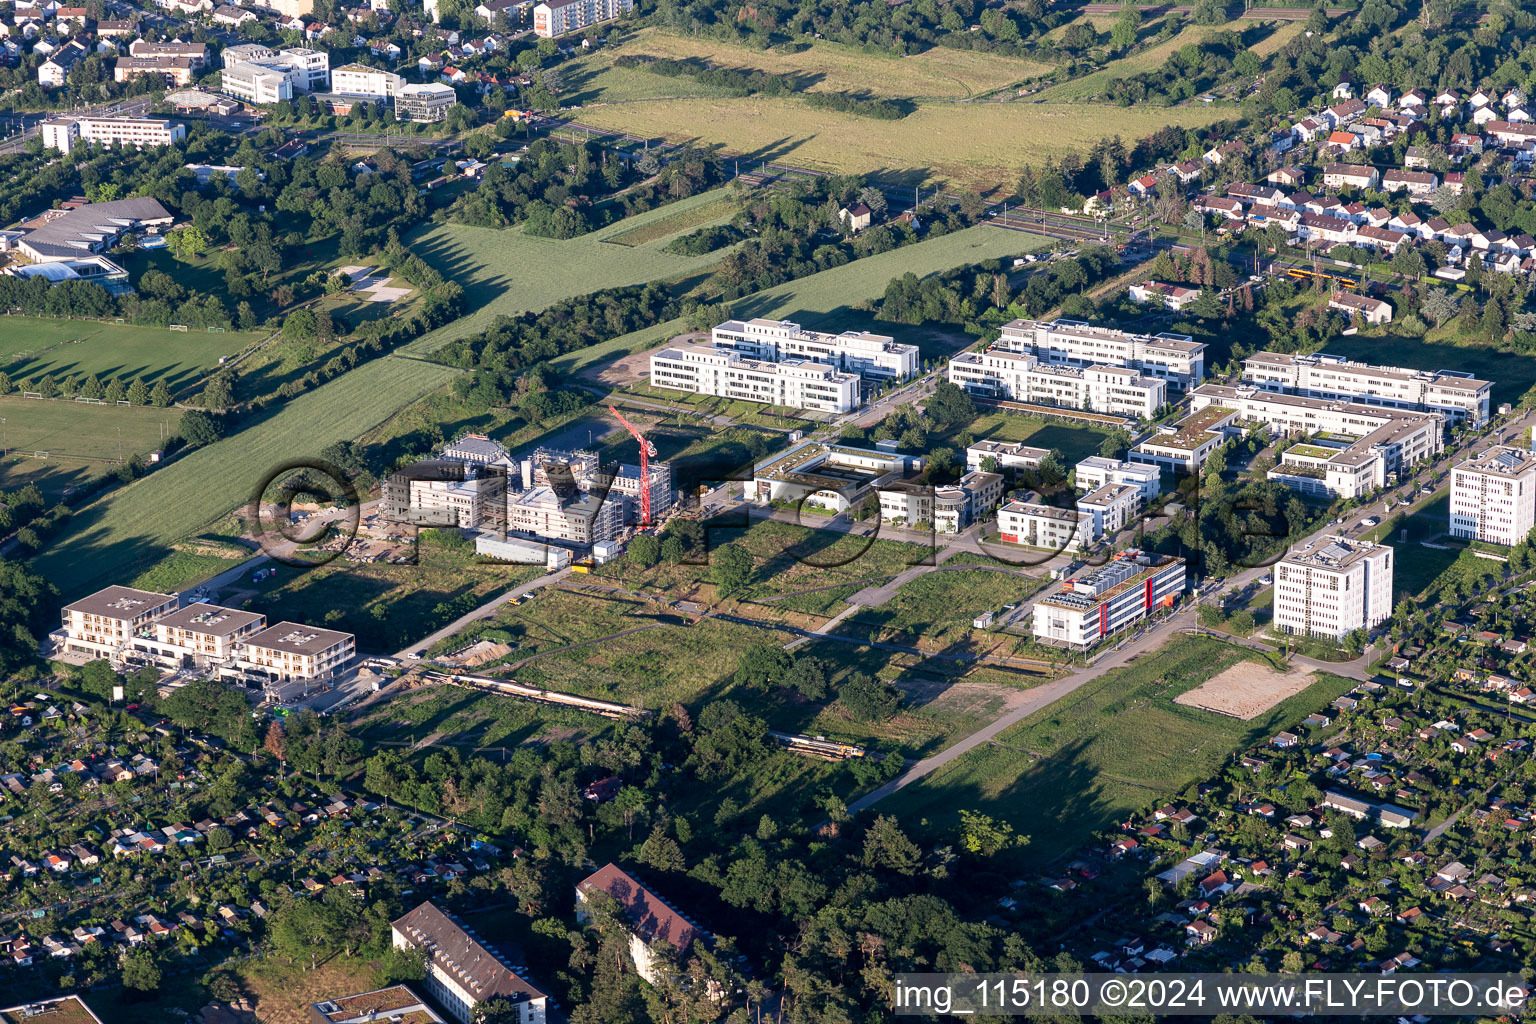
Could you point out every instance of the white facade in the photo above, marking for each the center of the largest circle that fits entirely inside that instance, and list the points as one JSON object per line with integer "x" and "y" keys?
{"x": 557, "y": 17}
{"x": 1045, "y": 526}
{"x": 261, "y": 75}
{"x": 63, "y": 133}
{"x": 359, "y": 81}
{"x": 1006, "y": 454}
{"x": 1493, "y": 496}
{"x": 1096, "y": 471}
{"x": 794, "y": 383}
{"x": 1113, "y": 507}
{"x": 1023, "y": 377}
{"x": 1091, "y": 607}
{"x": 104, "y": 622}
{"x": 868, "y": 355}
{"x": 1459, "y": 397}
{"x": 424, "y": 103}
{"x": 1331, "y": 585}
{"x": 1175, "y": 358}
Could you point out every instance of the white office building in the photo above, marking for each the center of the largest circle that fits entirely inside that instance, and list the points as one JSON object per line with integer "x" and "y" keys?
{"x": 873, "y": 356}
{"x": 1493, "y": 496}
{"x": 1097, "y": 471}
{"x": 944, "y": 508}
{"x": 64, "y": 133}
{"x": 1331, "y": 585}
{"x": 1045, "y": 526}
{"x": 1175, "y": 358}
{"x": 1005, "y": 455}
{"x": 261, "y": 75}
{"x": 424, "y": 103}
{"x": 1025, "y": 377}
{"x": 1112, "y": 507}
{"x": 1091, "y": 607}
{"x": 793, "y": 383}
{"x": 1458, "y": 396}
{"x": 361, "y": 82}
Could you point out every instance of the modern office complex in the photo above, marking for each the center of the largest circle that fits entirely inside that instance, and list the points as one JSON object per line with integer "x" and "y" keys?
{"x": 1493, "y": 496}
{"x": 425, "y": 103}
{"x": 1459, "y": 397}
{"x": 1184, "y": 446}
{"x": 1025, "y": 377}
{"x": 1332, "y": 585}
{"x": 1097, "y": 471}
{"x": 258, "y": 74}
{"x": 942, "y": 508}
{"x": 1175, "y": 358}
{"x": 1045, "y": 526}
{"x": 462, "y": 973}
{"x": 1091, "y": 607}
{"x": 64, "y": 133}
{"x": 794, "y": 383}
{"x": 872, "y": 356}
{"x": 361, "y": 82}
{"x": 830, "y": 476}
{"x": 1004, "y": 455}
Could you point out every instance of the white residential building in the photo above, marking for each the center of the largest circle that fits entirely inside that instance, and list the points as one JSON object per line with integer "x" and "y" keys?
{"x": 291, "y": 651}
{"x": 1493, "y": 496}
{"x": 557, "y": 17}
{"x": 463, "y": 974}
{"x": 1045, "y": 526}
{"x": 1458, "y": 396}
{"x": 1332, "y": 585}
{"x": 64, "y": 133}
{"x": 946, "y": 509}
{"x": 102, "y": 623}
{"x": 869, "y": 355}
{"x": 1174, "y": 358}
{"x": 650, "y": 919}
{"x": 1024, "y": 377}
{"x": 793, "y": 383}
{"x": 1113, "y": 507}
{"x": 1091, "y": 607}
{"x": 1375, "y": 311}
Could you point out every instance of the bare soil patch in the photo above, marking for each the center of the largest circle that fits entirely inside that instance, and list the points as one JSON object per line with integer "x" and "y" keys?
{"x": 1246, "y": 690}
{"x": 633, "y": 368}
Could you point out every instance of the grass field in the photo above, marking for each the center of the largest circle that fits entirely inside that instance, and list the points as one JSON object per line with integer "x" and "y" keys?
{"x": 939, "y": 606}
{"x": 1116, "y": 744}
{"x": 1417, "y": 566}
{"x": 137, "y": 525}
{"x": 33, "y": 346}
{"x": 677, "y": 221}
{"x": 191, "y": 563}
{"x": 82, "y": 441}
{"x": 939, "y": 73}
{"x": 506, "y": 272}
{"x": 981, "y": 145}
{"x": 1075, "y": 443}
{"x": 828, "y": 301}
{"x": 1092, "y": 86}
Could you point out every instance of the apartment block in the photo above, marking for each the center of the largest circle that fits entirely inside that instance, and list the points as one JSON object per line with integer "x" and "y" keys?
{"x": 1097, "y": 471}
{"x": 1175, "y": 358}
{"x": 177, "y": 71}
{"x": 793, "y": 383}
{"x": 1346, "y": 449}
{"x": 650, "y": 919}
{"x": 1005, "y": 455}
{"x": 1493, "y": 496}
{"x": 1331, "y": 585}
{"x": 290, "y": 652}
{"x": 1458, "y": 396}
{"x": 199, "y": 634}
{"x": 1024, "y": 377}
{"x": 1112, "y": 507}
{"x": 557, "y": 17}
{"x": 872, "y": 356}
{"x": 64, "y": 133}
{"x": 196, "y": 54}
{"x": 1045, "y": 526}
{"x": 462, "y": 973}
{"x": 102, "y": 623}
{"x": 1091, "y": 607}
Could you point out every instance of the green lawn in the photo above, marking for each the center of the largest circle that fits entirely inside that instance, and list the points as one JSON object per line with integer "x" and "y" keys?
{"x": 1075, "y": 443}
{"x": 32, "y": 346}
{"x": 506, "y": 272}
{"x": 828, "y": 301}
{"x": 941, "y": 605}
{"x": 136, "y": 525}
{"x": 1116, "y": 744}
{"x": 1417, "y": 566}
{"x": 83, "y": 430}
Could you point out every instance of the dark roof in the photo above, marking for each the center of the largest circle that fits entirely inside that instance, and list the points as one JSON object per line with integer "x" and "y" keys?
{"x": 458, "y": 954}
{"x": 650, "y": 916}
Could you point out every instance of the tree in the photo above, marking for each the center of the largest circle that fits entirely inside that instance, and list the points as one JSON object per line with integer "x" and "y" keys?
{"x": 1116, "y": 443}
{"x": 731, "y": 569}
{"x": 873, "y": 198}
{"x": 219, "y": 392}
{"x": 197, "y": 428}
{"x": 808, "y": 677}
{"x": 761, "y": 666}
{"x": 983, "y": 835}
{"x": 949, "y": 405}
{"x": 160, "y": 397}
{"x": 644, "y": 550}
{"x": 867, "y": 698}
{"x": 276, "y": 743}
{"x": 138, "y": 392}
{"x": 888, "y": 848}
{"x": 140, "y": 971}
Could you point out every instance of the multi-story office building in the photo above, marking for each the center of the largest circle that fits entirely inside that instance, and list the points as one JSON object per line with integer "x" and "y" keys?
{"x": 258, "y": 74}
{"x": 425, "y": 103}
{"x": 1025, "y": 377}
{"x": 289, "y": 651}
{"x": 64, "y": 133}
{"x": 943, "y": 508}
{"x": 102, "y": 623}
{"x": 361, "y": 82}
{"x": 1184, "y": 446}
{"x": 1347, "y": 449}
{"x": 447, "y": 492}
{"x": 1045, "y": 526}
{"x": 1457, "y": 396}
{"x": 650, "y": 919}
{"x": 1113, "y": 507}
{"x": 1096, "y": 471}
{"x": 794, "y": 383}
{"x": 1004, "y": 455}
{"x": 1332, "y": 585}
{"x": 872, "y": 356}
{"x": 580, "y": 519}
{"x": 1175, "y": 358}
{"x": 1493, "y": 496}
{"x": 1091, "y": 607}
{"x": 463, "y": 974}
{"x": 557, "y": 17}
{"x": 832, "y": 476}
{"x": 199, "y": 634}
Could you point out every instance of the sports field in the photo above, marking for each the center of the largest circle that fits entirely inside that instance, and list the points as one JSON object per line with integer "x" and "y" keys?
{"x": 33, "y": 346}
{"x": 82, "y": 441}
{"x": 939, "y": 73}
{"x": 1117, "y": 743}
{"x": 506, "y": 272}
{"x": 965, "y": 144}
{"x": 827, "y": 301}
{"x": 136, "y": 525}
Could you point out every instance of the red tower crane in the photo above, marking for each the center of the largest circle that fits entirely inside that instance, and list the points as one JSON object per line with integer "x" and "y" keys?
{"x": 647, "y": 451}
